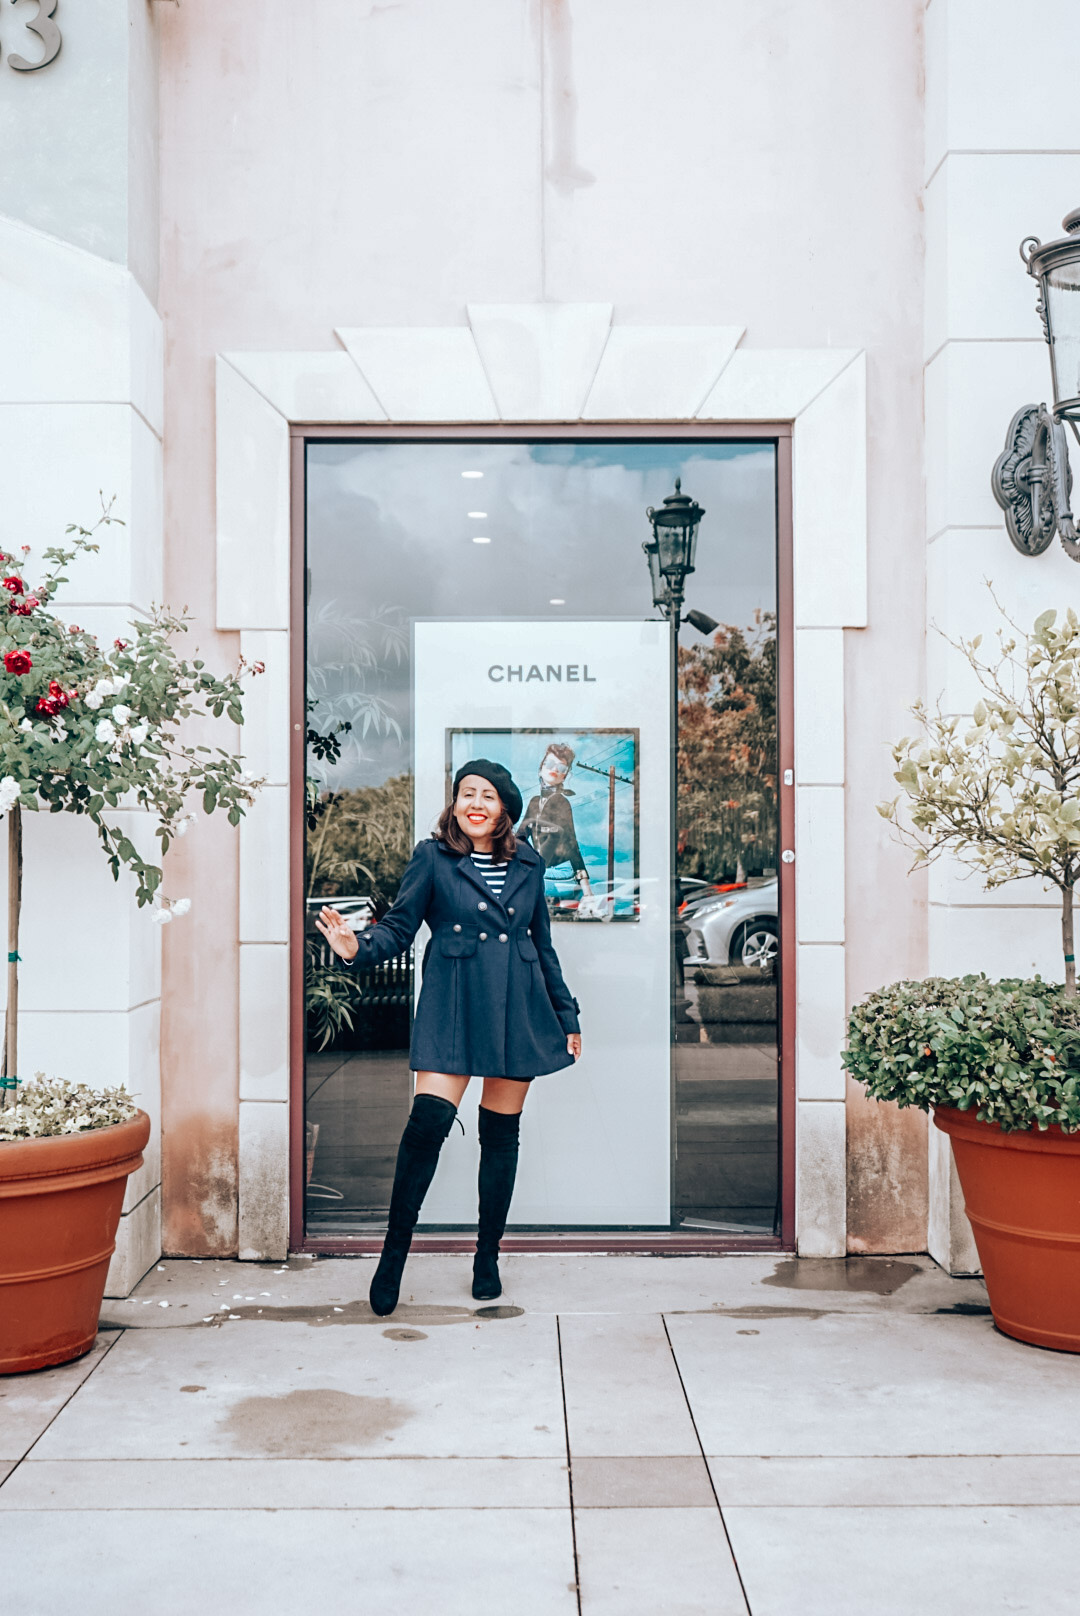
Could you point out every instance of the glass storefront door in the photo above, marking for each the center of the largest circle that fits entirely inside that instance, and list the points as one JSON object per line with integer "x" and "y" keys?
{"x": 491, "y": 598}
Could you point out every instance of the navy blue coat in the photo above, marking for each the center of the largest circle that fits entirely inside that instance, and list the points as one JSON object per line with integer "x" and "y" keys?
{"x": 493, "y": 1001}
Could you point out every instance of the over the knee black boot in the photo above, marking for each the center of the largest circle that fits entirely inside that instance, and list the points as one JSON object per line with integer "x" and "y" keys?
{"x": 498, "y": 1169}
{"x": 418, "y": 1156}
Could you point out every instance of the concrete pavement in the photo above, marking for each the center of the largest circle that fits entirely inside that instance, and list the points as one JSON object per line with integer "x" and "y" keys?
{"x": 624, "y": 1435}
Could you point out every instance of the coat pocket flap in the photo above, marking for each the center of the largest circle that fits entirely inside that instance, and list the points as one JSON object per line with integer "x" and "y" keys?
{"x": 456, "y": 944}
{"x": 526, "y": 946}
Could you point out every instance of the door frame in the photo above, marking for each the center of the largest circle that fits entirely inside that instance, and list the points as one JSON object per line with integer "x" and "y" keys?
{"x": 779, "y": 433}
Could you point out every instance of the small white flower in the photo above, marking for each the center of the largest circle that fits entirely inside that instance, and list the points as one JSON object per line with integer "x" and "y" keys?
{"x": 139, "y": 731}
{"x": 181, "y": 906}
{"x": 94, "y": 697}
{"x": 105, "y": 730}
{"x": 117, "y": 682}
{"x": 9, "y": 793}
{"x": 181, "y": 826}
{"x": 120, "y": 713}
{"x": 162, "y": 916}
{"x": 27, "y": 726}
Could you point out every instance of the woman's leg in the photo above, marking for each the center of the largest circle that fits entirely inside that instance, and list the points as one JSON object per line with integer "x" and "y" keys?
{"x": 499, "y": 1120}
{"x": 430, "y": 1120}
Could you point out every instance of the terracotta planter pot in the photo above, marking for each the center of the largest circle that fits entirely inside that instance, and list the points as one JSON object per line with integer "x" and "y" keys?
{"x": 1022, "y": 1194}
{"x": 60, "y": 1202}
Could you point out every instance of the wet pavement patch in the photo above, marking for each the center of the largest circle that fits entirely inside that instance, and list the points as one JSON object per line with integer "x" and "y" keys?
{"x": 502, "y": 1312}
{"x": 405, "y": 1335}
{"x": 880, "y": 1276}
{"x": 313, "y": 1421}
{"x": 193, "y": 1388}
{"x": 965, "y": 1310}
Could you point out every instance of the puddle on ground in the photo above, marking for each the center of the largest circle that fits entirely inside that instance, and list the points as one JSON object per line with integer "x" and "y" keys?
{"x": 504, "y": 1311}
{"x": 965, "y": 1310}
{"x": 405, "y": 1335}
{"x": 760, "y": 1312}
{"x": 312, "y": 1422}
{"x": 882, "y": 1276}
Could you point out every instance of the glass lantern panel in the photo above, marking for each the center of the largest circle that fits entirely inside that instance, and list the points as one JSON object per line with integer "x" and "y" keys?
{"x": 1063, "y": 308}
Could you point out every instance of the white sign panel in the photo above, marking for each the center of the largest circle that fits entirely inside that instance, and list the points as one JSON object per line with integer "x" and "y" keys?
{"x": 596, "y": 696}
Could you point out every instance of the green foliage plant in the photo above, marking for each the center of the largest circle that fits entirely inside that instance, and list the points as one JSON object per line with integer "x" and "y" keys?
{"x": 1000, "y": 790}
{"x": 96, "y": 731}
{"x": 1009, "y": 1050}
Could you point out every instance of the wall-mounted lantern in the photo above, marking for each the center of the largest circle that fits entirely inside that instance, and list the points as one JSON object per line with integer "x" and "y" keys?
{"x": 1032, "y": 480}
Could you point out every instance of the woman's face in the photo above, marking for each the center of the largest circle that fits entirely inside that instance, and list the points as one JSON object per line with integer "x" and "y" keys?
{"x": 552, "y": 770}
{"x": 477, "y": 806}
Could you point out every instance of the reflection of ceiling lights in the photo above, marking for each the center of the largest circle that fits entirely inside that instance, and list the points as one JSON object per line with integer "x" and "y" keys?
{"x": 478, "y": 516}
{"x": 554, "y": 602}
{"x": 472, "y": 473}
{"x": 481, "y": 538}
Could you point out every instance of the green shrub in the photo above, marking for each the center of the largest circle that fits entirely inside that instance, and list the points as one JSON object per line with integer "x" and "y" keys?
{"x": 1009, "y": 1050}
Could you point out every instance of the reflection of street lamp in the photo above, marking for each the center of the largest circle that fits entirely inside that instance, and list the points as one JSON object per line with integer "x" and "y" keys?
{"x": 1032, "y": 480}
{"x": 670, "y": 551}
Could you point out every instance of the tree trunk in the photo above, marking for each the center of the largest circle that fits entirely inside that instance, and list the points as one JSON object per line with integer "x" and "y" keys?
{"x": 1067, "y": 941}
{"x": 11, "y": 1017}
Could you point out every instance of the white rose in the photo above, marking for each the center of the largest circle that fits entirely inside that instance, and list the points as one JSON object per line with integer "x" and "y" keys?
{"x": 162, "y": 916}
{"x": 94, "y": 697}
{"x": 105, "y": 731}
{"x": 140, "y": 731}
{"x": 27, "y": 726}
{"x": 9, "y": 793}
{"x": 117, "y": 682}
{"x": 120, "y": 714}
{"x": 181, "y": 906}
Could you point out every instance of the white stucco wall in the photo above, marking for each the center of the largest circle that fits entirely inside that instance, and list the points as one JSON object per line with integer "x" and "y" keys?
{"x": 81, "y": 415}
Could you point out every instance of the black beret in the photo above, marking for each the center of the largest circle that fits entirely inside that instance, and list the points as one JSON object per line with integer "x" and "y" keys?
{"x": 496, "y": 776}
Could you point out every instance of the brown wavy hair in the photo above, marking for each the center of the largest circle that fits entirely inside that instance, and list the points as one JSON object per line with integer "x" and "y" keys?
{"x": 503, "y": 840}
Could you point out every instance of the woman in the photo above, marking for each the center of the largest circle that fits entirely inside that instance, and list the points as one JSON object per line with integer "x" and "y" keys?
{"x": 493, "y": 1002}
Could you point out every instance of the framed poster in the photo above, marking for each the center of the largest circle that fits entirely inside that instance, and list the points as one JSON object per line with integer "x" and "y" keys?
{"x": 580, "y": 788}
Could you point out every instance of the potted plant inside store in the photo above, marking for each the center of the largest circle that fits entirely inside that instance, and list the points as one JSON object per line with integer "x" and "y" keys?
{"x": 91, "y": 731}
{"x": 998, "y": 1063}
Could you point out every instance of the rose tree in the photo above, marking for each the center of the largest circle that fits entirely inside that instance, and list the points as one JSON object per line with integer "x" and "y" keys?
{"x": 91, "y": 731}
{"x": 1001, "y": 791}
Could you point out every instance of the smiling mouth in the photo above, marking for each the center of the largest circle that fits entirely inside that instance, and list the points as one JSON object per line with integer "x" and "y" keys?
{"x": 476, "y": 819}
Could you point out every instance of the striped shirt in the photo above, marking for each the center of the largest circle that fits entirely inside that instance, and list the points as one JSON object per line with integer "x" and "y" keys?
{"x": 494, "y": 874}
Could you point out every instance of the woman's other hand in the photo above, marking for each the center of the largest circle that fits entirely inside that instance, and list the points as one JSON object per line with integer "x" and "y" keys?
{"x": 573, "y": 1044}
{"x": 340, "y": 935}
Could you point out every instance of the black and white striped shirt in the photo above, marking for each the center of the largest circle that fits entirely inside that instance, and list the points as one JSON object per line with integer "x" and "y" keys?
{"x": 494, "y": 874}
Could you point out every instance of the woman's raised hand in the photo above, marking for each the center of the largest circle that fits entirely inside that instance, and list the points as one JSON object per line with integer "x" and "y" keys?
{"x": 338, "y": 933}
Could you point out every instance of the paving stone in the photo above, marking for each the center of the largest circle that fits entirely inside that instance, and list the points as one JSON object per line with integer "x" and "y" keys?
{"x": 640, "y": 1562}
{"x": 28, "y": 1403}
{"x": 623, "y": 1395}
{"x": 212, "y": 1484}
{"x": 945, "y": 1481}
{"x": 663, "y": 1482}
{"x": 853, "y": 1385}
{"x": 467, "y": 1390}
{"x": 900, "y": 1562}
{"x": 338, "y": 1562}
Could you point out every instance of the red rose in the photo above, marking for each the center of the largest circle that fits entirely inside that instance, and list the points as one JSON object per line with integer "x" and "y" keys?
{"x": 18, "y": 661}
{"x": 15, "y": 585}
{"x": 58, "y": 693}
{"x": 121, "y": 645}
{"x": 46, "y": 706}
{"x": 74, "y": 629}
{"x": 23, "y": 608}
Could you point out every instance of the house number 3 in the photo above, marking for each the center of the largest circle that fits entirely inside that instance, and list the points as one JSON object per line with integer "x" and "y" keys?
{"x": 49, "y": 34}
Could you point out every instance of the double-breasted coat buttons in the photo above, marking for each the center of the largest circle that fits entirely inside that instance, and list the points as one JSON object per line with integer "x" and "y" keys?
{"x": 510, "y": 910}
{"x": 457, "y": 928}
{"x": 483, "y": 936}
{"x": 503, "y": 937}
{"x": 481, "y": 906}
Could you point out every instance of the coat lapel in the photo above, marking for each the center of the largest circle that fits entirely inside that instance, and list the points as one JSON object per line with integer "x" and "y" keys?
{"x": 521, "y": 867}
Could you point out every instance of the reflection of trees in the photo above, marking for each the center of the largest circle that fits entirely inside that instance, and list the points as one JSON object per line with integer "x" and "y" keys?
{"x": 726, "y": 798}
{"x": 347, "y": 659}
{"x": 360, "y": 841}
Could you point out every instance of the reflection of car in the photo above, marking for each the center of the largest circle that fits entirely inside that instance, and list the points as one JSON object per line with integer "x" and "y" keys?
{"x": 693, "y": 894}
{"x": 358, "y": 911}
{"x": 740, "y": 929}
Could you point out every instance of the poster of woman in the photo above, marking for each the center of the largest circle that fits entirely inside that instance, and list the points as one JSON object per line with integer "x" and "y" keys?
{"x": 580, "y": 789}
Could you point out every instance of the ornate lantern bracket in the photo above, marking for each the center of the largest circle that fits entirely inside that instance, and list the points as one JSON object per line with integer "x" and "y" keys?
{"x": 1032, "y": 482}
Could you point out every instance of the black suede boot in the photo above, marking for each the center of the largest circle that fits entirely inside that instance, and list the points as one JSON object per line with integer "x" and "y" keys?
{"x": 418, "y": 1156}
{"x": 498, "y": 1169}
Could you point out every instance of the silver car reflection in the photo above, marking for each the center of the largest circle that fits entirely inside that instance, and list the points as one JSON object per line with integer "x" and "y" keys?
{"x": 740, "y": 929}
